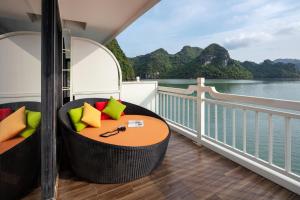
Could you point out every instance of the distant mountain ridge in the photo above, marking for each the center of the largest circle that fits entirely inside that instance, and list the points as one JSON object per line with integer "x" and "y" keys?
{"x": 296, "y": 62}
{"x": 271, "y": 69}
{"x": 160, "y": 63}
{"x": 213, "y": 61}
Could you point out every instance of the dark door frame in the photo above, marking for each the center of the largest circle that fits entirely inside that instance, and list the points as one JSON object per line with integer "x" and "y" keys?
{"x": 51, "y": 94}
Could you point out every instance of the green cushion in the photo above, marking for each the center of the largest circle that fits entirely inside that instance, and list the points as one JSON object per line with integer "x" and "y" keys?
{"x": 33, "y": 119}
{"x": 76, "y": 115}
{"x": 27, "y": 132}
{"x": 114, "y": 108}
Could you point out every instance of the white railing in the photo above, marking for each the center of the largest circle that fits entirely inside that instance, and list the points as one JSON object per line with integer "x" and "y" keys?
{"x": 179, "y": 109}
{"x": 255, "y": 132}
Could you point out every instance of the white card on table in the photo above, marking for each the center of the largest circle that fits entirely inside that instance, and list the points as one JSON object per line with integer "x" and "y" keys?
{"x": 135, "y": 123}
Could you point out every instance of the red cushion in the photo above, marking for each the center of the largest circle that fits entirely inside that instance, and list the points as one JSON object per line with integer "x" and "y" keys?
{"x": 100, "y": 106}
{"x": 4, "y": 112}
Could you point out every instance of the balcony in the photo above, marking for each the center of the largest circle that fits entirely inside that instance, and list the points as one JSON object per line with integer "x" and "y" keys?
{"x": 209, "y": 155}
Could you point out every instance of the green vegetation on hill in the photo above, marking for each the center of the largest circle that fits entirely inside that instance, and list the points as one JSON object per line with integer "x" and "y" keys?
{"x": 296, "y": 62}
{"x": 191, "y": 62}
{"x": 125, "y": 64}
{"x": 161, "y": 64}
{"x": 212, "y": 62}
{"x": 215, "y": 62}
{"x": 181, "y": 59}
{"x": 269, "y": 69}
{"x": 153, "y": 65}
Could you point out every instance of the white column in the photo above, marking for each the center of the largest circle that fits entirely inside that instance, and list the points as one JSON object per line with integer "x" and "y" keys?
{"x": 200, "y": 108}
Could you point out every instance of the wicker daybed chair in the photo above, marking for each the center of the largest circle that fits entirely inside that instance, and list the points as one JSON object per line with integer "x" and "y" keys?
{"x": 20, "y": 165}
{"x": 106, "y": 163}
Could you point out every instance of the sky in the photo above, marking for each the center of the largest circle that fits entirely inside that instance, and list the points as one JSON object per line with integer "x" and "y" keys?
{"x": 252, "y": 30}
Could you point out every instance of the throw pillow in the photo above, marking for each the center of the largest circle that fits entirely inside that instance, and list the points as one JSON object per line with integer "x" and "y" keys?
{"x": 114, "y": 108}
{"x": 76, "y": 115}
{"x": 5, "y": 112}
{"x": 91, "y": 116}
{"x": 13, "y": 124}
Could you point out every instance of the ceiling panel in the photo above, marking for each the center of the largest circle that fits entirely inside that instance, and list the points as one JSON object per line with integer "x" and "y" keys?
{"x": 100, "y": 20}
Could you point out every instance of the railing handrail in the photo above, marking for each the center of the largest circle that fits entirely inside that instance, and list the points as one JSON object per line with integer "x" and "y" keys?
{"x": 178, "y": 95}
{"x": 184, "y": 91}
{"x": 254, "y": 108}
{"x": 269, "y": 102}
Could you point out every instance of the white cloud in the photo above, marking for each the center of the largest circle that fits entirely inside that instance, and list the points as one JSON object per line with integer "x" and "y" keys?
{"x": 271, "y": 9}
{"x": 245, "y": 6}
{"x": 254, "y": 12}
{"x": 185, "y": 11}
{"x": 246, "y": 39}
{"x": 260, "y": 33}
{"x": 288, "y": 30}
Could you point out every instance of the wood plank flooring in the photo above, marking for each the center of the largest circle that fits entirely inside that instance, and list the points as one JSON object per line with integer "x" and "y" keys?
{"x": 188, "y": 172}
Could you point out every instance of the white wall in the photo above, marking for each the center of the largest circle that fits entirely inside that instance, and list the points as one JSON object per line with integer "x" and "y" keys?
{"x": 95, "y": 72}
{"x": 141, "y": 93}
{"x": 20, "y": 67}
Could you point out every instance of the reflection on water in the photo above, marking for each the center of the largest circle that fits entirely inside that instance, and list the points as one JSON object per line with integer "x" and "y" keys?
{"x": 272, "y": 88}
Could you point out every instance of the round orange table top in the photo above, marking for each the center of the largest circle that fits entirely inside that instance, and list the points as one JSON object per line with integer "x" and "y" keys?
{"x": 154, "y": 131}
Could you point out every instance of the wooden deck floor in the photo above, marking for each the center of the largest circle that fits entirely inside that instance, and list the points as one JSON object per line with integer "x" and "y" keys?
{"x": 188, "y": 172}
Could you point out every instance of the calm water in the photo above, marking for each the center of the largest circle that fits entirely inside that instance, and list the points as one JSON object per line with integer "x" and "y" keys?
{"x": 279, "y": 89}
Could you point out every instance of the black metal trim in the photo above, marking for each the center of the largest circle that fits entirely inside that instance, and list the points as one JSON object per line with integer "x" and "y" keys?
{"x": 51, "y": 94}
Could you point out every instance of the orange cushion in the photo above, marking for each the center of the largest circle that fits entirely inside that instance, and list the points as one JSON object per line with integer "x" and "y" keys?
{"x": 91, "y": 115}
{"x": 13, "y": 124}
{"x": 5, "y": 146}
{"x": 153, "y": 131}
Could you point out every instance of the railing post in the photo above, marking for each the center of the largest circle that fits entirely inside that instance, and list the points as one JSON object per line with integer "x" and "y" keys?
{"x": 200, "y": 108}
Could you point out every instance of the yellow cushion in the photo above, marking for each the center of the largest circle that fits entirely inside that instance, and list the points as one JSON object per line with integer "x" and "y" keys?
{"x": 12, "y": 125}
{"x": 91, "y": 116}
